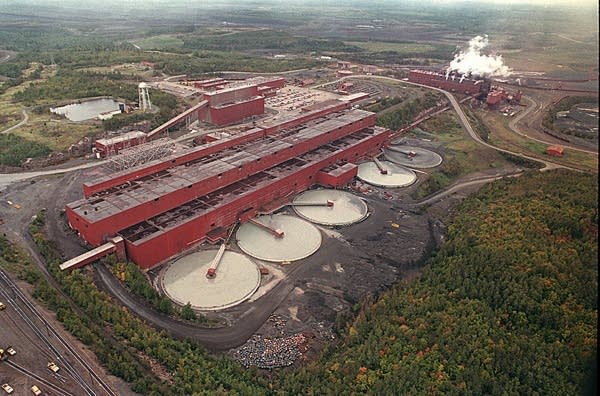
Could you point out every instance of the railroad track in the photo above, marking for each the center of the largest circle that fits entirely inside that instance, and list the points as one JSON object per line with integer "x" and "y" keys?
{"x": 14, "y": 300}
{"x": 15, "y": 297}
{"x": 47, "y": 384}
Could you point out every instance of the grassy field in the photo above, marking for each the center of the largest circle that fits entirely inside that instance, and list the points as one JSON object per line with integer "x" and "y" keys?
{"x": 378, "y": 46}
{"x": 560, "y": 59}
{"x": 10, "y": 112}
{"x": 59, "y": 134}
{"x": 160, "y": 42}
{"x": 501, "y": 136}
{"x": 44, "y": 128}
{"x": 558, "y": 48}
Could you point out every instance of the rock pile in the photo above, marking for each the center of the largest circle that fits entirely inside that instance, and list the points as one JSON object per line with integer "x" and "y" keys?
{"x": 270, "y": 353}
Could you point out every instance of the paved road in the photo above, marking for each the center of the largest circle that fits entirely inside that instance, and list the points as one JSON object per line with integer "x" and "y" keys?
{"x": 467, "y": 183}
{"x": 465, "y": 122}
{"x": 467, "y": 125}
{"x": 23, "y": 122}
{"x": 224, "y": 338}
{"x": 174, "y": 77}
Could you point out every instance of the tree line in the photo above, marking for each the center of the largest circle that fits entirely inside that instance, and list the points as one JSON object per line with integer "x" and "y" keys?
{"x": 405, "y": 114}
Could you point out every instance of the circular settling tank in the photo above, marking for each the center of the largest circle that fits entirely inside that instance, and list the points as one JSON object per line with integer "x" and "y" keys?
{"x": 237, "y": 278}
{"x": 413, "y": 157}
{"x": 394, "y": 176}
{"x": 346, "y": 209}
{"x": 278, "y": 238}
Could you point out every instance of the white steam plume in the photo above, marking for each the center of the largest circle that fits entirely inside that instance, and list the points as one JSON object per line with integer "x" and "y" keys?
{"x": 473, "y": 61}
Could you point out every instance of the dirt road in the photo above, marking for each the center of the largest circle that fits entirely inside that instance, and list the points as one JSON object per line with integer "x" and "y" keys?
{"x": 513, "y": 125}
{"x": 9, "y": 178}
{"x": 22, "y": 122}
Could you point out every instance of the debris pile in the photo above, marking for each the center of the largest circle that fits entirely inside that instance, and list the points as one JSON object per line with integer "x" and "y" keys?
{"x": 283, "y": 345}
{"x": 270, "y": 353}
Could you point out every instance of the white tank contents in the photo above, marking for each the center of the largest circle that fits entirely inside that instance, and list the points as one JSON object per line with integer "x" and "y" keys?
{"x": 278, "y": 238}
{"x": 412, "y": 157}
{"x": 330, "y": 207}
{"x": 185, "y": 280}
{"x": 385, "y": 174}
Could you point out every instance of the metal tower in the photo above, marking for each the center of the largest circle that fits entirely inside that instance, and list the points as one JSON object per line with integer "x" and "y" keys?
{"x": 144, "y": 97}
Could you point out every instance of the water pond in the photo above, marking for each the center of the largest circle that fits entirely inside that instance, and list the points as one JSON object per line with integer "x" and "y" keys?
{"x": 86, "y": 110}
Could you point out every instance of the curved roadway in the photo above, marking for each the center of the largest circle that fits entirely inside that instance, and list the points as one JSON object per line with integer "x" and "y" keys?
{"x": 22, "y": 122}
{"x": 224, "y": 338}
{"x": 216, "y": 339}
{"x": 465, "y": 122}
{"x": 514, "y": 127}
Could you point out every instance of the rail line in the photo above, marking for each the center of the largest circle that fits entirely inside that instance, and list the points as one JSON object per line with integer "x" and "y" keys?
{"x": 46, "y": 383}
{"x": 30, "y": 339}
{"x": 18, "y": 294}
{"x": 45, "y": 339}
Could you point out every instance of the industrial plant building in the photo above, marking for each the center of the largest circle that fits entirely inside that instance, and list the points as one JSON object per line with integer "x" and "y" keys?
{"x": 224, "y": 103}
{"x": 166, "y": 206}
{"x": 450, "y": 82}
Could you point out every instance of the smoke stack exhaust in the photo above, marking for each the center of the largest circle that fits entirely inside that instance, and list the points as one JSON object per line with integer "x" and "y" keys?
{"x": 473, "y": 62}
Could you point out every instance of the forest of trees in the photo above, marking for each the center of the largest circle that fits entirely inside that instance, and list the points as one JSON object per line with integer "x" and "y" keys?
{"x": 403, "y": 115}
{"x": 507, "y": 306}
{"x": 265, "y": 40}
{"x": 72, "y": 85}
{"x": 68, "y": 84}
{"x": 15, "y": 149}
{"x": 413, "y": 58}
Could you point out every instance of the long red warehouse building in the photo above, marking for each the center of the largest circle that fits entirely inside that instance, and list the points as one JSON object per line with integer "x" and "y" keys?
{"x": 450, "y": 82}
{"x": 164, "y": 207}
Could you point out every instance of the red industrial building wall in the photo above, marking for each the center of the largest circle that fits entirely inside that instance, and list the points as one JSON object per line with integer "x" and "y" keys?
{"x": 439, "y": 81}
{"x": 495, "y": 97}
{"x": 114, "y": 148}
{"x": 235, "y": 112}
{"x": 271, "y": 127}
{"x": 338, "y": 177}
{"x": 273, "y": 82}
{"x": 230, "y": 95}
{"x": 213, "y": 82}
{"x": 268, "y": 127}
